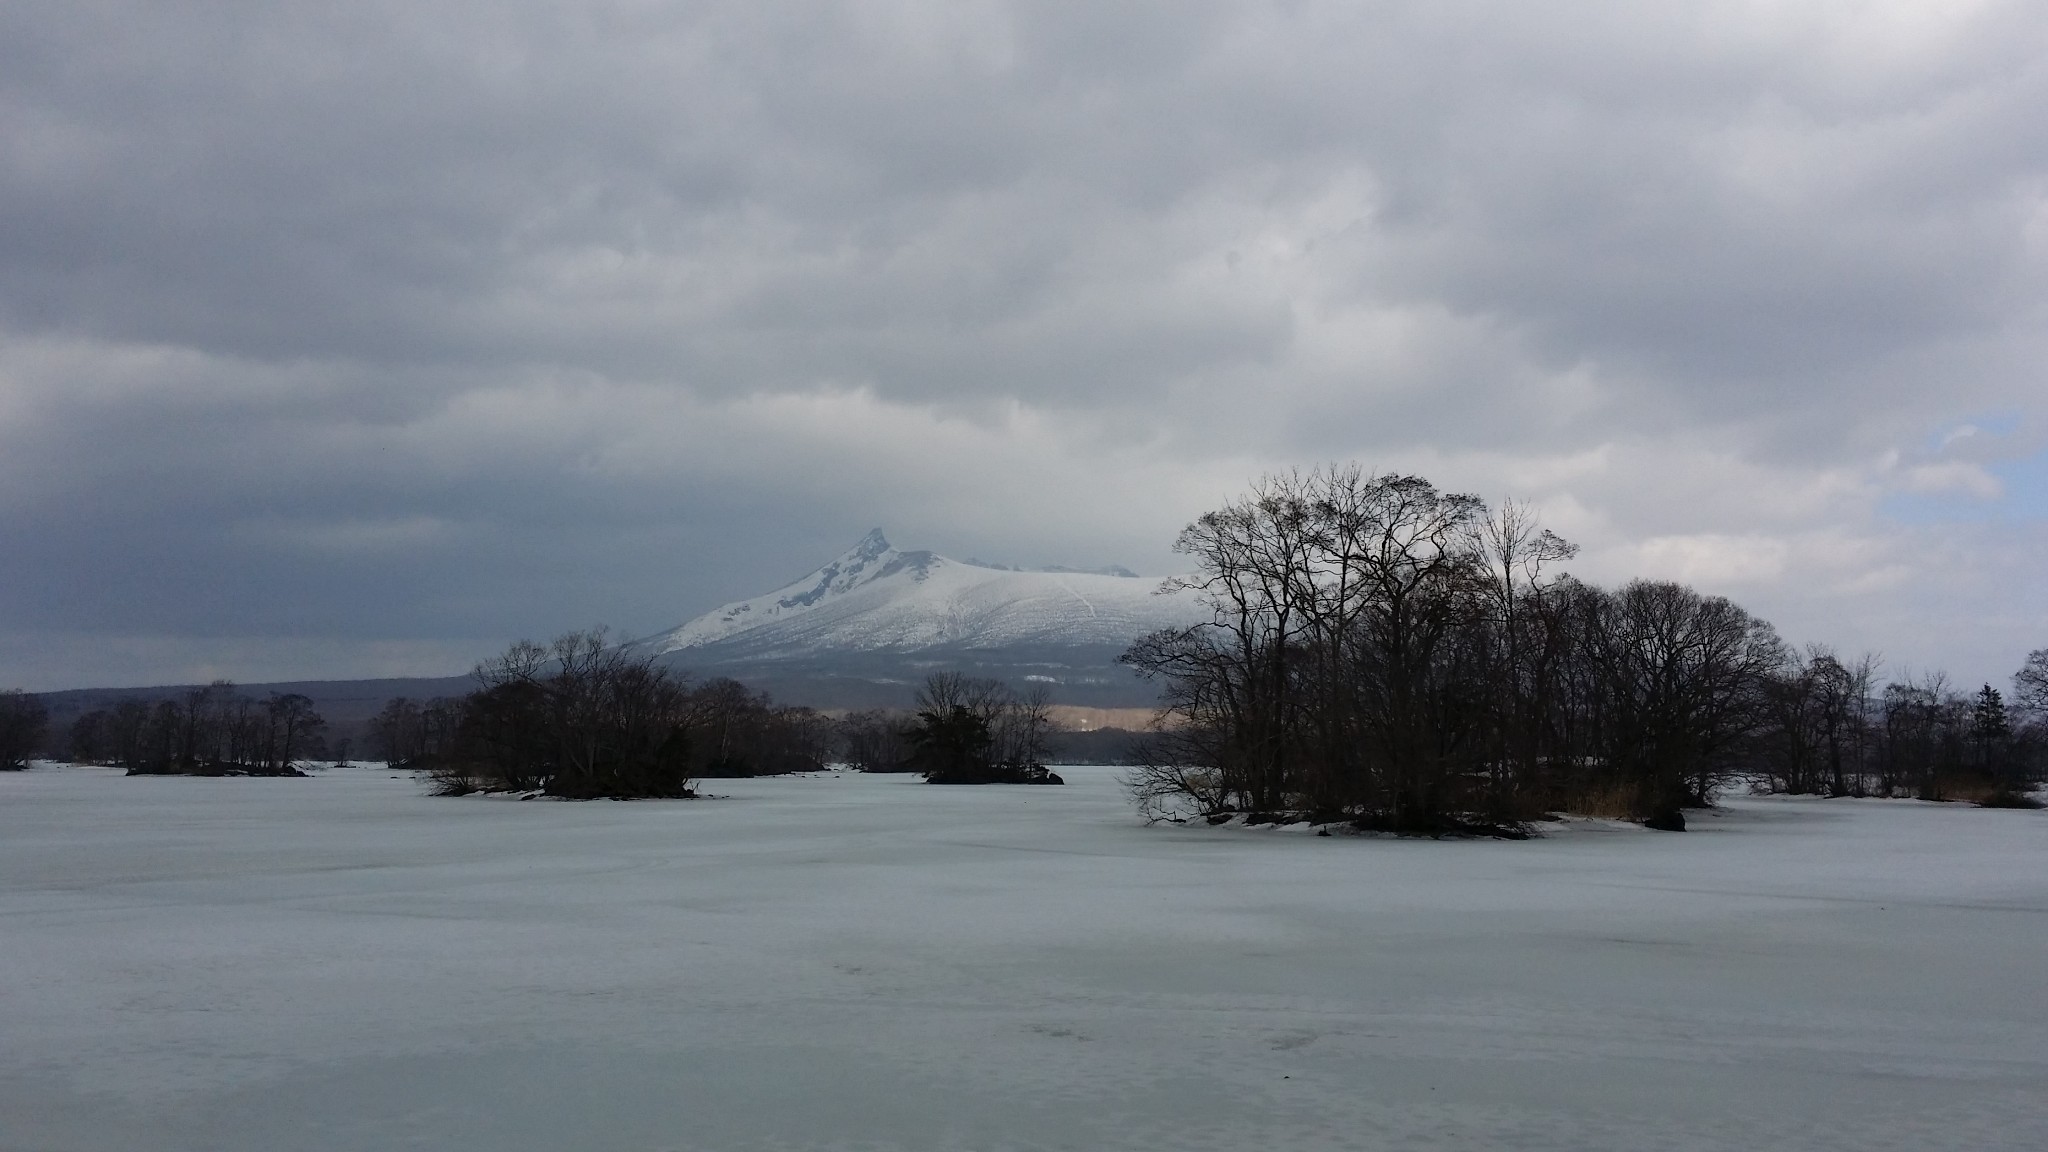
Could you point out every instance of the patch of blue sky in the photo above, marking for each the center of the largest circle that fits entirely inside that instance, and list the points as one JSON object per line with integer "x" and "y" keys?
{"x": 1998, "y": 425}
{"x": 2026, "y": 485}
{"x": 2023, "y": 481}
{"x": 2025, "y": 498}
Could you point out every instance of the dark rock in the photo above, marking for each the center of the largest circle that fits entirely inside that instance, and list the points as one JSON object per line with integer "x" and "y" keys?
{"x": 1669, "y": 820}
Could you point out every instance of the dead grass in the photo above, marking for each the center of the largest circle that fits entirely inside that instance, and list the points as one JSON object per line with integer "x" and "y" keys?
{"x": 1607, "y": 803}
{"x": 1984, "y": 793}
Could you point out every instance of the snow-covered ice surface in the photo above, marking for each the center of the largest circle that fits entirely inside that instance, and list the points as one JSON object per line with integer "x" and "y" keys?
{"x": 870, "y": 963}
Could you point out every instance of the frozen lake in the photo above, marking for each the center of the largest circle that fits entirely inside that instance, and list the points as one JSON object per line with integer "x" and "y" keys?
{"x": 872, "y": 963}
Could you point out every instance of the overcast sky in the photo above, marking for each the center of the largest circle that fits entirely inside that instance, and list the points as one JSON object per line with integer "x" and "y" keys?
{"x": 359, "y": 339}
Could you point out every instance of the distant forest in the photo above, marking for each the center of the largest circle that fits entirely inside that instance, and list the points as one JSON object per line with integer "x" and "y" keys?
{"x": 209, "y": 731}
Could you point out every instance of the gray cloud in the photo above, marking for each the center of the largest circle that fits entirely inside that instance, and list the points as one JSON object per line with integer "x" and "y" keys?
{"x": 333, "y": 338}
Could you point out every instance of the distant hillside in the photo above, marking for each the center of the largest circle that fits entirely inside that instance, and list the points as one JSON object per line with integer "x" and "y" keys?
{"x": 344, "y": 704}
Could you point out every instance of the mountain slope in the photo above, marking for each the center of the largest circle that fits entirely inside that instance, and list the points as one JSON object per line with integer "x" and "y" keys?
{"x": 884, "y": 618}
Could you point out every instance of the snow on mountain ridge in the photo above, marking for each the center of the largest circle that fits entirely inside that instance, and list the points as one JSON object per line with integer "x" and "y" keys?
{"x": 875, "y": 597}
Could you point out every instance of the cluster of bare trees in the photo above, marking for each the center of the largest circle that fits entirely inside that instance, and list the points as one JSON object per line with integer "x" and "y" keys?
{"x": 745, "y": 733}
{"x": 210, "y": 731}
{"x": 1383, "y": 652}
{"x": 963, "y": 730}
{"x": 1831, "y": 730}
{"x": 970, "y": 730}
{"x": 586, "y": 718}
{"x": 408, "y": 733}
{"x": 878, "y": 740}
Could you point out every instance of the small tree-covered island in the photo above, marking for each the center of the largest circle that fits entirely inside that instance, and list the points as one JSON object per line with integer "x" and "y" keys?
{"x": 583, "y": 718}
{"x": 1386, "y": 655}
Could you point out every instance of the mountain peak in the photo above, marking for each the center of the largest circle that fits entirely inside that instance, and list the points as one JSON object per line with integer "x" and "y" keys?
{"x": 876, "y": 597}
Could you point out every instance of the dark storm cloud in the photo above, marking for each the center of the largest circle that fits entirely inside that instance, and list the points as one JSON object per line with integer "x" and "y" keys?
{"x": 363, "y": 334}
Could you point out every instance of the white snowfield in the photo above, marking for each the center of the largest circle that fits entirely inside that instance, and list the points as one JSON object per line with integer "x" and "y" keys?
{"x": 844, "y": 962}
{"x": 876, "y": 597}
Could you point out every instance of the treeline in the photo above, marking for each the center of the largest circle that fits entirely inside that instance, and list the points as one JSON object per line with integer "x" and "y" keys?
{"x": 1829, "y": 730}
{"x": 210, "y": 731}
{"x": 1382, "y": 652}
{"x": 583, "y": 718}
{"x": 965, "y": 730}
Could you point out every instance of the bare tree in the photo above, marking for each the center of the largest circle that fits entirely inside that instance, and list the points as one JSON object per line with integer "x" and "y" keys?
{"x": 23, "y": 721}
{"x": 291, "y": 724}
{"x": 397, "y": 733}
{"x": 2030, "y": 686}
{"x": 87, "y": 742}
{"x": 1231, "y": 676}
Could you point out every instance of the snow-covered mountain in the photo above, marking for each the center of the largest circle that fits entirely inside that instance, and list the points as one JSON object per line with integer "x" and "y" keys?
{"x": 884, "y": 616}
